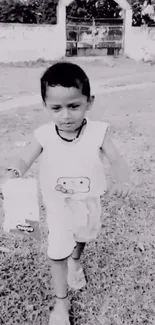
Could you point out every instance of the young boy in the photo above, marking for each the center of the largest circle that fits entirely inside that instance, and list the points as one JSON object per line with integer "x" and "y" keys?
{"x": 71, "y": 149}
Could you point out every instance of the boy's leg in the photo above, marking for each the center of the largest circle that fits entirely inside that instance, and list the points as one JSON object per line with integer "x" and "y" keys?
{"x": 59, "y": 269}
{"x": 78, "y": 250}
{"x": 76, "y": 277}
{"x": 59, "y": 277}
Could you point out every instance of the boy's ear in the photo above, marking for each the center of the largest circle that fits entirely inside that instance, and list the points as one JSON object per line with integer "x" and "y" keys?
{"x": 90, "y": 102}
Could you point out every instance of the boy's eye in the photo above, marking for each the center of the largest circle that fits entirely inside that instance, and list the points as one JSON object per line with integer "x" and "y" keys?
{"x": 71, "y": 106}
{"x": 56, "y": 108}
{"x": 74, "y": 106}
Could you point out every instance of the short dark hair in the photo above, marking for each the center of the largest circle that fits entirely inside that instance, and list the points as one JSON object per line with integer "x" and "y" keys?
{"x": 65, "y": 74}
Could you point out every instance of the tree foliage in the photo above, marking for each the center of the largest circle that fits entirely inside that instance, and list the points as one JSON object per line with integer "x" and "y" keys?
{"x": 87, "y": 9}
{"x": 137, "y": 12}
{"x": 44, "y": 11}
{"x": 141, "y": 13}
{"x": 28, "y": 12}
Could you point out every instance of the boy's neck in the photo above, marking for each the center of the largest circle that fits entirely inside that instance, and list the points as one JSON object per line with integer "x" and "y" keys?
{"x": 71, "y": 135}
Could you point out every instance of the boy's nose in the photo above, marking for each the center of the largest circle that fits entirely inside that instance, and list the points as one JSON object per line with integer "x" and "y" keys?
{"x": 65, "y": 113}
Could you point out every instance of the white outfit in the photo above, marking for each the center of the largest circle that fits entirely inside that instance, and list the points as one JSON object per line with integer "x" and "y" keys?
{"x": 72, "y": 180}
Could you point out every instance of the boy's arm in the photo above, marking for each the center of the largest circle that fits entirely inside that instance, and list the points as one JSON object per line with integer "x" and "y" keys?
{"x": 22, "y": 162}
{"x": 25, "y": 159}
{"x": 119, "y": 166}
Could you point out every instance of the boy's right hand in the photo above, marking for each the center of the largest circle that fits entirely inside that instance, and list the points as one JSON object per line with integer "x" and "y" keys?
{"x": 1, "y": 195}
{"x": 2, "y": 181}
{"x": 5, "y": 178}
{"x": 1, "y": 192}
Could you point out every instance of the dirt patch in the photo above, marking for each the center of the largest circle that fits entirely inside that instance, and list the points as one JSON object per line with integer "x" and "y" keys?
{"x": 18, "y": 81}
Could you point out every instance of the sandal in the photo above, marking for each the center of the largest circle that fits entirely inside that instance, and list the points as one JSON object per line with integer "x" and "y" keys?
{"x": 58, "y": 317}
{"x": 76, "y": 280}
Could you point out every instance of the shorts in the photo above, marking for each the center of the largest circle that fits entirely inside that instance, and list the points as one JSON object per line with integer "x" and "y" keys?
{"x": 70, "y": 221}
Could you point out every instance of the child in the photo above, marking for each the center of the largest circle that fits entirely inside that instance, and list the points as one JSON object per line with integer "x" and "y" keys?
{"x": 71, "y": 149}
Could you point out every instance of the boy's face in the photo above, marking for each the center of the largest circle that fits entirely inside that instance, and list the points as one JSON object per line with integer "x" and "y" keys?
{"x": 67, "y": 107}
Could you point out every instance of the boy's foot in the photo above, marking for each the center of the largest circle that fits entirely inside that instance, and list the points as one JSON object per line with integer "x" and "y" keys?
{"x": 76, "y": 277}
{"x": 60, "y": 313}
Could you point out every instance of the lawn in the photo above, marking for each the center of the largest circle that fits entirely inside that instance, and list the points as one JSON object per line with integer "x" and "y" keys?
{"x": 120, "y": 264}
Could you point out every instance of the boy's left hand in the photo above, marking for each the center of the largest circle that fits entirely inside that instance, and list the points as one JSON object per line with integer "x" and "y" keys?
{"x": 121, "y": 190}
{"x": 120, "y": 170}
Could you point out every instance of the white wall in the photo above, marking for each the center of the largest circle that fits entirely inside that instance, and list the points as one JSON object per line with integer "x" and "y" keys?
{"x": 21, "y": 42}
{"x": 140, "y": 43}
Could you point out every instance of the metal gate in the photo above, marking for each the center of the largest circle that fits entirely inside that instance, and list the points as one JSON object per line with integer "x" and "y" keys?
{"x": 98, "y": 36}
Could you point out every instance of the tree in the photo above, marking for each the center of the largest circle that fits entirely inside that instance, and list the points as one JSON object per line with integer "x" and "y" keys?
{"x": 88, "y": 9}
{"x": 28, "y": 12}
{"x": 47, "y": 11}
{"x": 148, "y": 12}
{"x": 143, "y": 12}
{"x": 44, "y": 11}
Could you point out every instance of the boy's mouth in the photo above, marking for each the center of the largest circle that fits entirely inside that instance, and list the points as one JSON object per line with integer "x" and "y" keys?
{"x": 64, "y": 126}
{"x": 68, "y": 124}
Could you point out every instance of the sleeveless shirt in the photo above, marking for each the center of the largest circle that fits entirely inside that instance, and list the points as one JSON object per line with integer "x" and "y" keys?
{"x": 72, "y": 169}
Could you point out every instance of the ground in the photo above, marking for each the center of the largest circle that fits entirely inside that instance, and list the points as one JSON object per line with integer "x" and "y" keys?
{"x": 120, "y": 265}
